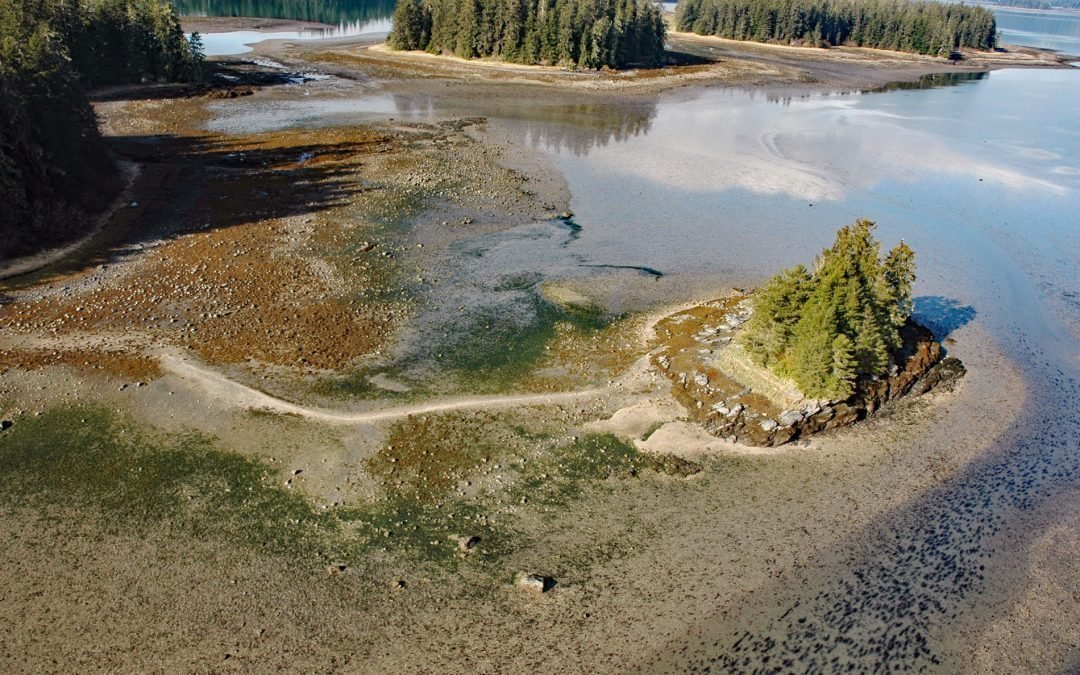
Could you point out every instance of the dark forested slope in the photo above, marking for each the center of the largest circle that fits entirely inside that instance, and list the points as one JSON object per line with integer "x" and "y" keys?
{"x": 903, "y": 25}
{"x": 54, "y": 166}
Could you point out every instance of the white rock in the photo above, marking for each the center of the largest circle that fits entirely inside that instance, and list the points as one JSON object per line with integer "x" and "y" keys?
{"x": 789, "y": 417}
{"x": 534, "y": 582}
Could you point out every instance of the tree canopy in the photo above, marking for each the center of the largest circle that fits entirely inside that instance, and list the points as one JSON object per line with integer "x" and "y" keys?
{"x": 573, "y": 33}
{"x": 54, "y": 166}
{"x": 827, "y": 328}
{"x": 918, "y": 26}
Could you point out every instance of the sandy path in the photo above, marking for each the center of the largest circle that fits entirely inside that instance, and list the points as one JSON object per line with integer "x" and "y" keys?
{"x": 32, "y": 263}
{"x": 221, "y": 387}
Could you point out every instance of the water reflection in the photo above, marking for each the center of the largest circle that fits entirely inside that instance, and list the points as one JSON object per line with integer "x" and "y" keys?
{"x": 549, "y": 122}
{"x": 932, "y": 81}
{"x": 1048, "y": 29}
{"x": 231, "y": 43}
{"x": 332, "y": 12}
{"x": 573, "y": 127}
{"x": 342, "y": 18}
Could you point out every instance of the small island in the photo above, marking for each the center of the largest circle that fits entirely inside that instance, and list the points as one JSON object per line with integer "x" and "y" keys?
{"x": 573, "y": 33}
{"x": 809, "y": 351}
{"x": 920, "y": 26}
{"x": 623, "y": 34}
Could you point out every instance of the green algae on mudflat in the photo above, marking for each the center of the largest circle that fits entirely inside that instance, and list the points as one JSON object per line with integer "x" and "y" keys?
{"x": 498, "y": 351}
{"x": 91, "y": 460}
{"x": 91, "y": 463}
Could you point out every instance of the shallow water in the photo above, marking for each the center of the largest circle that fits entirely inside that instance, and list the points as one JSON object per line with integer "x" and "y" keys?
{"x": 348, "y": 18}
{"x": 981, "y": 178}
{"x": 230, "y": 43}
{"x": 1048, "y": 29}
{"x": 721, "y": 187}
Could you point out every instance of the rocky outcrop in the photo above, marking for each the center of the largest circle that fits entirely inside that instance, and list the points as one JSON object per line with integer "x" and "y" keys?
{"x": 695, "y": 351}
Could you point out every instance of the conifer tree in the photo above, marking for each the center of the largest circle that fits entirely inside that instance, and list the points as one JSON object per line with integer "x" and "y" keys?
{"x": 573, "y": 33}
{"x": 776, "y": 311}
{"x": 54, "y": 166}
{"x": 844, "y": 366}
{"x": 812, "y": 349}
{"x": 871, "y": 344}
{"x": 920, "y": 26}
{"x": 828, "y": 329}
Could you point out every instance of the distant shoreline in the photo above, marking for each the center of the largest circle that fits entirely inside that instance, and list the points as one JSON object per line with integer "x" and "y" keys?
{"x": 704, "y": 60}
{"x": 228, "y": 24}
{"x": 708, "y": 61}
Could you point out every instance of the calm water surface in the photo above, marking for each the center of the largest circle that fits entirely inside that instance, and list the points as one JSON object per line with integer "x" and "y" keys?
{"x": 1049, "y": 29}
{"x": 346, "y": 18}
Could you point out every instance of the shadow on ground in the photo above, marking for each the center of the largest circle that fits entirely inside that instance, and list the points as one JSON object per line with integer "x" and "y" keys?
{"x": 190, "y": 184}
{"x": 942, "y": 315}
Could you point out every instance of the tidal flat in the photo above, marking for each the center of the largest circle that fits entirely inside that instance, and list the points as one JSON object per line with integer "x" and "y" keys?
{"x": 368, "y": 347}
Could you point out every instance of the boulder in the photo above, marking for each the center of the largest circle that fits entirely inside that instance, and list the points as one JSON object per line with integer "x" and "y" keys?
{"x": 535, "y": 582}
{"x": 790, "y": 417}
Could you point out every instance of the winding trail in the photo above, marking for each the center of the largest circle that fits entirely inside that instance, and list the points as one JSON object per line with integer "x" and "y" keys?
{"x": 221, "y": 387}
{"x": 18, "y": 267}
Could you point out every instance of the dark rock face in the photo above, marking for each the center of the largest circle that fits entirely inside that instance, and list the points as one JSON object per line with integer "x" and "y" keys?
{"x": 921, "y": 369}
{"x": 731, "y": 411}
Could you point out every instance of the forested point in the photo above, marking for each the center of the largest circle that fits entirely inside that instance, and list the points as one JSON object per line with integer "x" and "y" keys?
{"x": 900, "y": 25}
{"x": 829, "y": 328}
{"x": 570, "y": 33}
{"x": 54, "y": 166}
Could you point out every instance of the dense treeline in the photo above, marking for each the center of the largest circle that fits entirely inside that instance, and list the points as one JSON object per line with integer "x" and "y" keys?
{"x": 54, "y": 167}
{"x": 581, "y": 33}
{"x": 333, "y": 12}
{"x": 911, "y": 26}
{"x": 829, "y": 328}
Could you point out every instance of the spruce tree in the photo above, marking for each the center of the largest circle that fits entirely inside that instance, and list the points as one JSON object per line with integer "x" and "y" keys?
{"x": 920, "y": 26}
{"x": 811, "y": 364}
{"x": 828, "y": 329}
{"x": 573, "y": 33}
{"x": 844, "y": 366}
{"x": 776, "y": 311}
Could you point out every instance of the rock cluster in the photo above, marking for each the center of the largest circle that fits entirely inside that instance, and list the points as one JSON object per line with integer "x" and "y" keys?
{"x": 730, "y": 409}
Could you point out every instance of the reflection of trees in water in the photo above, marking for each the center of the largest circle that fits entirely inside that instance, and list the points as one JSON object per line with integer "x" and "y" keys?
{"x": 581, "y": 127}
{"x": 574, "y": 126}
{"x": 932, "y": 81}
{"x": 935, "y": 80}
{"x": 319, "y": 11}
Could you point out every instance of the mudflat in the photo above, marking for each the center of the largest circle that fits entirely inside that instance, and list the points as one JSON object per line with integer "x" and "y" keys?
{"x": 237, "y": 442}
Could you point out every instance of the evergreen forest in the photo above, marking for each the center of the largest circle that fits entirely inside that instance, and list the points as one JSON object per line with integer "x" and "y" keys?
{"x": 54, "y": 166}
{"x": 919, "y": 26}
{"x": 828, "y": 328}
{"x": 570, "y": 33}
